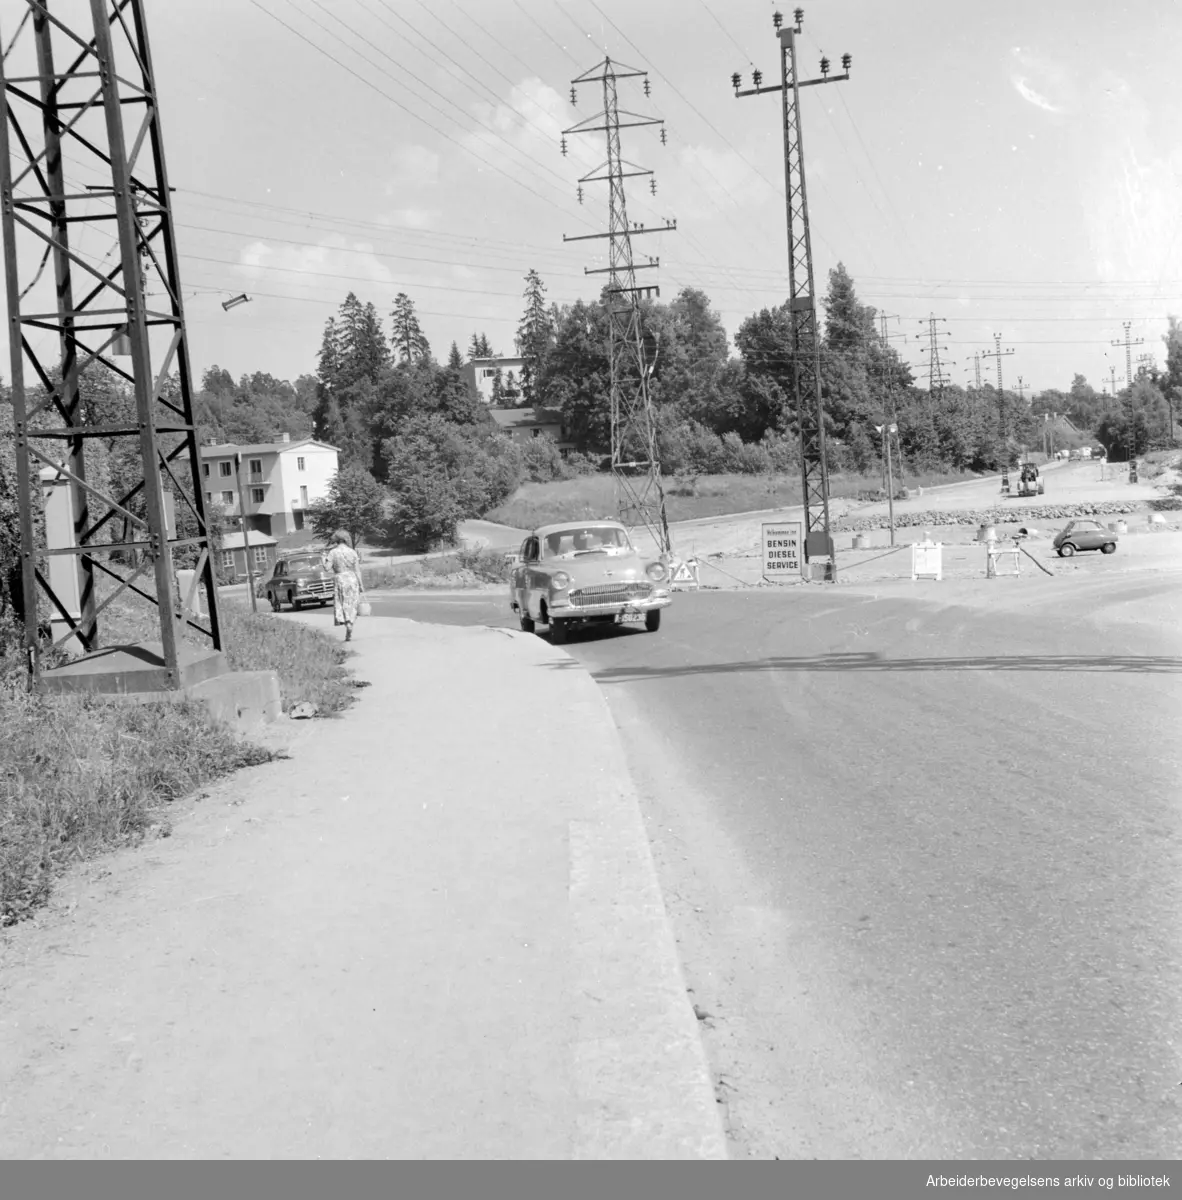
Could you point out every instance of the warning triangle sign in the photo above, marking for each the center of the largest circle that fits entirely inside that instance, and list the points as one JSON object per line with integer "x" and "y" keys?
{"x": 683, "y": 574}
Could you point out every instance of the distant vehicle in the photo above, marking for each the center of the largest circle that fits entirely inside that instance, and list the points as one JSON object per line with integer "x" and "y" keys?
{"x": 1030, "y": 484}
{"x": 585, "y": 573}
{"x": 1084, "y": 535}
{"x": 297, "y": 580}
{"x": 1085, "y": 452}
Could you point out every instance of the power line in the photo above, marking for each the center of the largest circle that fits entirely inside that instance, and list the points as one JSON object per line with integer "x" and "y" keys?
{"x": 418, "y": 79}
{"x": 397, "y": 103}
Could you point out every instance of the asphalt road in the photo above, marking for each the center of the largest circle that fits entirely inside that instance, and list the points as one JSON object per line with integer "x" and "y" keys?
{"x": 923, "y": 862}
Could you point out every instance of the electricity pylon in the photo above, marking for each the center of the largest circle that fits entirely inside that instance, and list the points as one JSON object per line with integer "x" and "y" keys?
{"x": 1128, "y": 344}
{"x": 635, "y": 459}
{"x": 1002, "y": 426}
{"x": 802, "y": 303}
{"x": 937, "y": 378}
{"x": 86, "y": 82}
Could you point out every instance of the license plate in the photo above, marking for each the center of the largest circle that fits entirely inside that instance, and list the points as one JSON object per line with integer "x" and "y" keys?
{"x": 631, "y": 616}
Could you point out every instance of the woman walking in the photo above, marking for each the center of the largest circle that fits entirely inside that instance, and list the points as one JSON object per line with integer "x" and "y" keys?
{"x": 343, "y": 561}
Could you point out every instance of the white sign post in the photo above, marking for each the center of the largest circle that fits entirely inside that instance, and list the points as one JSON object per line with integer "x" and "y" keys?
{"x": 927, "y": 559}
{"x": 783, "y": 551}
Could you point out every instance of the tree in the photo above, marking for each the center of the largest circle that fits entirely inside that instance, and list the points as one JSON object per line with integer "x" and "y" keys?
{"x": 355, "y": 502}
{"x": 455, "y": 361}
{"x": 479, "y": 347}
{"x": 576, "y": 375}
{"x": 409, "y": 342}
{"x": 498, "y": 389}
{"x": 535, "y": 333}
{"x": 441, "y": 474}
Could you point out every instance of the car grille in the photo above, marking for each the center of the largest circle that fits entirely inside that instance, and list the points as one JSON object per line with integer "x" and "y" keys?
{"x": 317, "y": 587}
{"x": 610, "y": 593}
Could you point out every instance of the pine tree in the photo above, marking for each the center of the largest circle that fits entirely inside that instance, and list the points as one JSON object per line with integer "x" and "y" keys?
{"x": 479, "y": 347}
{"x": 329, "y": 363}
{"x": 362, "y": 345}
{"x": 498, "y": 389}
{"x": 455, "y": 360}
{"x": 535, "y": 333}
{"x": 410, "y": 344}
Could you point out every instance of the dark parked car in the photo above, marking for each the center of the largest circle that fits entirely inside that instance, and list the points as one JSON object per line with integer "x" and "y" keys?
{"x": 298, "y": 580}
{"x": 1085, "y": 535}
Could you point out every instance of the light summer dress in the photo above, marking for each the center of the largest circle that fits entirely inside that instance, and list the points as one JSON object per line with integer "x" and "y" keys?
{"x": 345, "y": 566}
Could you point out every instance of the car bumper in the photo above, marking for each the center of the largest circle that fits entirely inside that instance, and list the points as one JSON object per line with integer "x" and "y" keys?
{"x": 560, "y": 608}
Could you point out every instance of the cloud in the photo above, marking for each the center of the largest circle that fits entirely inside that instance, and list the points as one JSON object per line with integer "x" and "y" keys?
{"x": 414, "y": 163}
{"x": 336, "y": 255}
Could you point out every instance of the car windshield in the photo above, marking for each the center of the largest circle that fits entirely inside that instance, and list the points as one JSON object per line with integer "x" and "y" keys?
{"x": 1084, "y": 525}
{"x": 303, "y": 564}
{"x": 580, "y": 540}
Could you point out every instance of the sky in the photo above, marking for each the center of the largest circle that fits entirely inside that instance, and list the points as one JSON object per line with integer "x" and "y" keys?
{"x": 1009, "y": 169}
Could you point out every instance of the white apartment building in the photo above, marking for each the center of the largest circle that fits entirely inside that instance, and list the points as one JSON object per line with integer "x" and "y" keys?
{"x": 280, "y": 480}
{"x": 481, "y": 372}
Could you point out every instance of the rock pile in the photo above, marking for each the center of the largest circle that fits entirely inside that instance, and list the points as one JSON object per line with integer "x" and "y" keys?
{"x": 984, "y": 516}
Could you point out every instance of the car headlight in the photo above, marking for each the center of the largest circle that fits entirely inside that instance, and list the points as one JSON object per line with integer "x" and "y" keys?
{"x": 655, "y": 571}
{"x": 301, "y": 583}
{"x": 559, "y": 581}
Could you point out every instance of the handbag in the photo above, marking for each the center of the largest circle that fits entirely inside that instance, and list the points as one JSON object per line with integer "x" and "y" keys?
{"x": 363, "y": 609}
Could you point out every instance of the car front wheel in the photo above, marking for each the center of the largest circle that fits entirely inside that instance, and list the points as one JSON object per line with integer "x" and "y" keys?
{"x": 652, "y": 620}
{"x": 1066, "y": 550}
{"x": 1108, "y": 548}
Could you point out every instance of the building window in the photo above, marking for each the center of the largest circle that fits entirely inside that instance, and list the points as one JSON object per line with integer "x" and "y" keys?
{"x": 209, "y": 497}
{"x": 257, "y": 495}
{"x": 303, "y": 497}
{"x": 489, "y": 372}
{"x": 205, "y": 470}
{"x": 228, "y": 559}
{"x": 227, "y": 497}
{"x": 260, "y": 556}
{"x": 225, "y": 469}
{"x": 300, "y": 464}
{"x": 256, "y": 468}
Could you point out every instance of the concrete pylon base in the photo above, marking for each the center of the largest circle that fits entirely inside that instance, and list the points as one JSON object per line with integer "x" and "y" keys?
{"x": 137, "y": 674}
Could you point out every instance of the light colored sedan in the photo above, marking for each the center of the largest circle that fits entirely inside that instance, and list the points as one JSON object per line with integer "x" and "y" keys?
{"x": 585, "y": 573}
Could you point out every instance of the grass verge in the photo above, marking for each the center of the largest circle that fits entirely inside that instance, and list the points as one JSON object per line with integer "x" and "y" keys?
{"x": 461, "y": 568}
{"x": 688, "y": 498}
{"x": 310, "y": 665}
{"x": 80, "y": 774}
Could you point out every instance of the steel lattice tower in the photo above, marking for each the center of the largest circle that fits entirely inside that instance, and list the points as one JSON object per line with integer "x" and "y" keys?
{"x": 635, "y": 460}
{"x": 1003, "y": 431}
{"x": 937, "y": 378}
{"x": 802, "y": 303}
{"x": 102, "y": 105}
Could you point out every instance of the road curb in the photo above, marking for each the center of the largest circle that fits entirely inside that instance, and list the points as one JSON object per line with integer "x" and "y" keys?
{"x": 643, "y": 1082}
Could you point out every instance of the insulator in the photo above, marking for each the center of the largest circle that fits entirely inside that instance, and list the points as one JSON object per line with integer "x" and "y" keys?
{"x": 757, "y": 75}
{"x": 777, "y": 19}
{"x": 664, "y": 137}
{"x": 572, "y": 94}
{"x": 845, "y": 62}
{"x": 798, "y": 16}
{"x": 647, "y": 87}
{"x": 580, "y": 194}
{"x": 736, "y": 80}
{"x": 652, "y": 186}
{"x": 564, "y": 147}
{"x": 824, "y": 66}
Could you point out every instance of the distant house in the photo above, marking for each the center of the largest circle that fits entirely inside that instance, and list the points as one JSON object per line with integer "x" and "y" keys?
{"x": 481, "y": 373}
{"x": 281, "y": 479}
{"x": 523, "y": 424}
{"x": 232, "y": 558}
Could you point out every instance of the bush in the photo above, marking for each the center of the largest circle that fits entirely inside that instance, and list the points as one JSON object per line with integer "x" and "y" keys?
{"x": 542, "y": 461}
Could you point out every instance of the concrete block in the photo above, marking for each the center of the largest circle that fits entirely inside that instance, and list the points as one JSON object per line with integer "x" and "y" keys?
{"x": 241, "y": 698}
